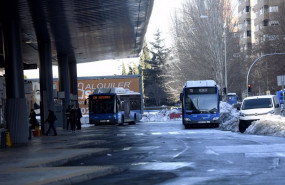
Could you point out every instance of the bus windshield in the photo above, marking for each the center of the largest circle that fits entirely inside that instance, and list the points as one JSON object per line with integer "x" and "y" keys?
{"x": 102, "y": 105}
{"x": 201, "y": 103}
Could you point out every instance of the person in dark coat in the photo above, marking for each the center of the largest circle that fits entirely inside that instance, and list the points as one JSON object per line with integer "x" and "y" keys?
{"x": 73, "y": 118}
{"x": 51, "y": 119}
{"x": 33, "y": 122}
{"x": 67, "y": 114}
{"x": 79, "y": 115}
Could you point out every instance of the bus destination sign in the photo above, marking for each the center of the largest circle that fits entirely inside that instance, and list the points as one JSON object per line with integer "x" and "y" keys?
{"x": 201, "y": 90}
{"x": 101, "y": 97}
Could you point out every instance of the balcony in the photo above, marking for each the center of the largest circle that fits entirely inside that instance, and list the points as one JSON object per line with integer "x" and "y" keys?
{"x": 260, "y": 4}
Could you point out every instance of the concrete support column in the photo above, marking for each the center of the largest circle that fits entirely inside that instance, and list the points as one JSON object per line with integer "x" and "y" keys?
{"x": 17, "y": 114}
{"x": 46, "y": 81}
{"x": 73, "y": 77}
{"x": 44, "y": 47}
{"x": 64, "y": 83}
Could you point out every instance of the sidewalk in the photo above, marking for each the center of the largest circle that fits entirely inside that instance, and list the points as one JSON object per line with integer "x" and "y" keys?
{"x": 40, "y": 162}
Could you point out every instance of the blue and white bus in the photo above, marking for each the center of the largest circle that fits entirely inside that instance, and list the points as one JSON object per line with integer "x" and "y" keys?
{"x": 232, "y": 98}
{"x": 200, "y": 103}
{"x": 115, "y": 106}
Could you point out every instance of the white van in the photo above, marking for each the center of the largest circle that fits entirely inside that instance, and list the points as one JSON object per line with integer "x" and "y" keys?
{"x": 253, "y": 108}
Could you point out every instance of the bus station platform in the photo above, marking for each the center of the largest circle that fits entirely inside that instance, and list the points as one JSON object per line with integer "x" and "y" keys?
{"x": 42, "y": 160}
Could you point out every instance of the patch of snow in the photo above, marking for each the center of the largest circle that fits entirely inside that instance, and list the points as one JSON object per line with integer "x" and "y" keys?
{"x": 229, "y": 118}
{"x": 159, "y": 115}
{"x": 273, "y": 125}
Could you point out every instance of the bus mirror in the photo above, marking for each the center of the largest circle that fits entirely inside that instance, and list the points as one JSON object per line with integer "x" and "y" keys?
{"x": 181, "y": 96}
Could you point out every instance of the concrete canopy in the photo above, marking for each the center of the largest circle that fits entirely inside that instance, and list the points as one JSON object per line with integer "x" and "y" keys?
{"x": 91, "y": 30}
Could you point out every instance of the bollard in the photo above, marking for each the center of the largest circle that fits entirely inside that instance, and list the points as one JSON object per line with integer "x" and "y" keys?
{"x": 8, "y": 139}
{"x": 37, "y": 129}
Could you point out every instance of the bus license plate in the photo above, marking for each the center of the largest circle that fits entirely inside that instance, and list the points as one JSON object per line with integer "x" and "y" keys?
{"x": 202, "y": 121}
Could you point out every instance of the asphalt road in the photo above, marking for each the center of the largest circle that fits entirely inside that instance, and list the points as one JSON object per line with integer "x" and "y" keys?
{"x": 166, "y": 154}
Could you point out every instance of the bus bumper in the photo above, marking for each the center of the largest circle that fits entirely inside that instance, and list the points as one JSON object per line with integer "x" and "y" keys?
{"x": 204, "y": 123}
{"x": 104, "y": 122}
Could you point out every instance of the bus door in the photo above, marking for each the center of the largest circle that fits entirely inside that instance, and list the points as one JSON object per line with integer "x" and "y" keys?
{"x": 127, "y": 108}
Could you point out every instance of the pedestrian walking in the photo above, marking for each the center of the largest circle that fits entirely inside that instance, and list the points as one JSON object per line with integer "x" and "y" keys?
{"x": 51, "y": 119}
{"x": 67, "y": 114}
{"x": 73, "y": 117}
{"x": 79, "y": 115}
{"x": 33, "y": 122}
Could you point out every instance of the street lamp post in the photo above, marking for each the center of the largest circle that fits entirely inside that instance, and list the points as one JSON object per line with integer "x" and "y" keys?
{"x": 256, "y": 60}
{"x": 226, "y": 73}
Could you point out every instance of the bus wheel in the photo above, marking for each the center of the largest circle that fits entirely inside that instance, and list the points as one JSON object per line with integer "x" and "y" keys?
{"x": 123, "y": 120}
{"x": 135, "y": 119}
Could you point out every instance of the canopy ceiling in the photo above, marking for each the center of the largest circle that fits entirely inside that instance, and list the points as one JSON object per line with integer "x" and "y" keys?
{"x": 92, "y": 30}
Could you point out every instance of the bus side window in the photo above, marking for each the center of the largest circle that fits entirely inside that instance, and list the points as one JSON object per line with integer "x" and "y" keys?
{"x": 122, "y": 105}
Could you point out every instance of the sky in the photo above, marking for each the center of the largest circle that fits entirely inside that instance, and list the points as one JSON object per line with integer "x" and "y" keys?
{"x": 160, "y": 18}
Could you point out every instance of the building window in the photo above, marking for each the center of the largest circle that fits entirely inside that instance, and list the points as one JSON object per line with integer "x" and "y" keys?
{"x": 273, "y": 8}
{"x": 265, "y": 22}
{"x": 273, "y": 23}
{"x": 248, "y": 33}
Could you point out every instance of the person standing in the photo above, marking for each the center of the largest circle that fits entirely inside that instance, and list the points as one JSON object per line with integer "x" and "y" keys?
{"x": 73, "y": 117}
{"x": 79, "y": 115}
{"x": 67, "y": 114}
{"x": 51, "y": 119}
{"x": 33, "y": 122}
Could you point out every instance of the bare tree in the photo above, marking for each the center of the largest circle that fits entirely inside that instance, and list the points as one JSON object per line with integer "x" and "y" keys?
{"x": 203, "y": 33}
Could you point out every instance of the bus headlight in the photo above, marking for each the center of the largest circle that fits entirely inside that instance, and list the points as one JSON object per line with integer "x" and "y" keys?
{"x": 242, "y": 114}
{"x": 187, "y": 119}
{"x": 215, "y": 118}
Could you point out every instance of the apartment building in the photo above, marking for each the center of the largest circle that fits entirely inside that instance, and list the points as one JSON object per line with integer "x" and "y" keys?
{"x": 257, "y": 19}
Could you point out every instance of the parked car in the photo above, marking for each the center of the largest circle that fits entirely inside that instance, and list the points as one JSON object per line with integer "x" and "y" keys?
{"x": 255, "y": 107}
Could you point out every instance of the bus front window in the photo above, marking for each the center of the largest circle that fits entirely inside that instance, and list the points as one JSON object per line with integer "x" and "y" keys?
{"x": 201, "y": 103}
{"x": 103, "y": 106}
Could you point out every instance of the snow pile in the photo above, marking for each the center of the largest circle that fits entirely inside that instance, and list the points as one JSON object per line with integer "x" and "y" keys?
{"x": 273, "y": 125}
{"x": 159, "y": 115}
{"x": 229, "y": 119}
{"x": 85, "y": 121}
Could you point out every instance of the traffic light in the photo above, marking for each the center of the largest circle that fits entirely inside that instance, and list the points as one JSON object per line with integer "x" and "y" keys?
{"x": 248, "y": 88}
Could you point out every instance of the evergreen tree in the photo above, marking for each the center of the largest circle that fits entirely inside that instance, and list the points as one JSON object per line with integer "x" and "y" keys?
{"x": 155, "y": 72}
{"x": 145, "y": 56}
{"x": 124, "y": 69}
{"x": 135, "y": 69}
{"x": 131, "y": 71}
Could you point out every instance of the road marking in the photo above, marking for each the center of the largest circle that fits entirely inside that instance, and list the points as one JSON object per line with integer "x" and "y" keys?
{"x": 127, "y": 148}
{"x": 121, "y": 134}
{"x": 139, "y": 134}
{"x": 174, "y": 133}
{"x": 156, "y": 133}
{"x": 185, "y": 149}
